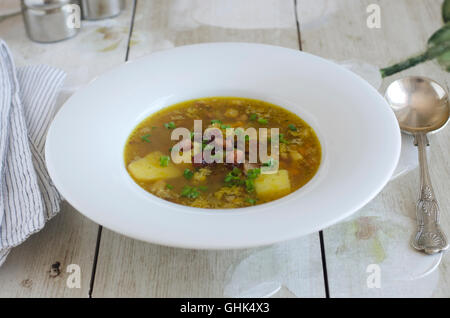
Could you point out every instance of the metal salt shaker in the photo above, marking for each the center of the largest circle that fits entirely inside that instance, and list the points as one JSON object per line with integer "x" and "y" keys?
{"x": 49, "y": 21}
{"x": 101, "y": 9}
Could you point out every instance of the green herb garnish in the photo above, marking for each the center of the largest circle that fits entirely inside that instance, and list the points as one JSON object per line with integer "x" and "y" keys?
{"x": 164, "y": 161}
{"x": 253, "y": 117}
{"x": 145, "y": 138}
{"x": 216, "y": 121}
{"x": 225, "y": 126}
{"x": 233, "y": 178}
{"x": 252, "y": 174}
{"x": 189, "y": 192}
{"x": 262, "y": 121}
{"x": 203, "y": 188}
{"x": 251, "y": 201}
{"x": 188, "y": 174}
{"x": 170, "y": 187}
{"x": 282, "y": 140}
{"x": 270, "y": 163}
{"x": 170, "y": 125}
{"x": 292, "y": 127}
{"x": 249, "y": 185}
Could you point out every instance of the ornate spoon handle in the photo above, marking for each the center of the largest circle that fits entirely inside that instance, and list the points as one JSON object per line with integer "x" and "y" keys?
{"x": 429, "y": 237}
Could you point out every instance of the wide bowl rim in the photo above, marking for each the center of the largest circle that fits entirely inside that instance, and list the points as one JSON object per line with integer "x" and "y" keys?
{"x": 222, "y": 245}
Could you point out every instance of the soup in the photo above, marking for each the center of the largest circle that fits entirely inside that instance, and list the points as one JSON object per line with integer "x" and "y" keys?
{"x": 235, "y": 178}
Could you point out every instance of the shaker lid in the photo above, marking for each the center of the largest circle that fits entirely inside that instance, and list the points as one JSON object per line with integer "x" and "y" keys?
{"x": 45, "y": 4}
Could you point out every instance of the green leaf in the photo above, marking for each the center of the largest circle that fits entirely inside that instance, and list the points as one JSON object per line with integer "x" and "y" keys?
{"x": 253, "y": 117}
{"x": 145, "y": 138}
{"x": 250, "y": 185}
{"x": 168, "y": 186}
{"x": 251, "y": 201}
{"x": 270, "y": 163}
{"x": 170, "y": 125}
{"x": 262, "y": 121}
{"x": 442, "y": 35}
{"x": 253, "y": 173}
{"x": 216, "y": 121}
{"x": 292, "y": 127}
{"x": 164, "y": 161}
{"x": 438, "y": 45}
{"x": 282, "y": 140}
{"x": 188, "y": 174}
{"x": 233, "y": 178}
{"x": 189, "y": 192}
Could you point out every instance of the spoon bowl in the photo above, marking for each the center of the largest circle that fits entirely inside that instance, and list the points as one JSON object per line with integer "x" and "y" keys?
{"x": 420, "y": 104}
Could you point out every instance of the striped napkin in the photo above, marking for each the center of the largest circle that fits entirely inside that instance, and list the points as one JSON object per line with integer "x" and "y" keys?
{"x": 28, "y": 198}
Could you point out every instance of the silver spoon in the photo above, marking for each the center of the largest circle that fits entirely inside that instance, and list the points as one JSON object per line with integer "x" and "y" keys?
{"x": 421, "y": 106}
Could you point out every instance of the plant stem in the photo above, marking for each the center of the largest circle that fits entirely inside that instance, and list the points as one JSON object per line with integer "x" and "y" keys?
{"x": 431, "y": 53}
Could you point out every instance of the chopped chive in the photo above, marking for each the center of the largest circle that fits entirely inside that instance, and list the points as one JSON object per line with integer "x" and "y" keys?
{"x": 170, "y": 125}
{"x": 251, "y": 201}
{"x": 282, "y": 140}
{"x": 292, "y": 127}
{"x": 233, "y": 177}
{"x": 189, "y": 192}
{"x": 203, "y": 188}
{"x": 253, "y": 173}
{"x": 236, "y": 171}
{"x": 188, "y": 174}
{"x": 247, "y": 138}
{"x": 164, "y": 161}
{"x": 170, "y": 187}
{"x": 216, "y": 121}
{"x": 225, "y": 126}
{"x": 262, "y": 121}
{"x": 270, "y": 163}
{"x": 253, "y": 117}
{"x": 145, "y": 138}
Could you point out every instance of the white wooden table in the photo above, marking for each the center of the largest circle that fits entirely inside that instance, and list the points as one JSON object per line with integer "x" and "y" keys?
{"x": 332, "y": 263}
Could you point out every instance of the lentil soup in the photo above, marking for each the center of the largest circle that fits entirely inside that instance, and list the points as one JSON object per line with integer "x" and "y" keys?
{"x": 234, "y": 184}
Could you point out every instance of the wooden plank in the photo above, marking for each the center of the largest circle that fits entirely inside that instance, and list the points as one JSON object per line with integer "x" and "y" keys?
{"x": 380, "y": 232}
{"x": 69, "y": 238}
{"x": 128, "y": 268}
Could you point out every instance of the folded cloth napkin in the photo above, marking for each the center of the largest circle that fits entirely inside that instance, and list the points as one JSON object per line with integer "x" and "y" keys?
{"x": 28, "y": 197}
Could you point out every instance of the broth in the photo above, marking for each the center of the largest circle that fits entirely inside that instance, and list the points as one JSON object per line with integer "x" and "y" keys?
{"x": 234, "y": 184}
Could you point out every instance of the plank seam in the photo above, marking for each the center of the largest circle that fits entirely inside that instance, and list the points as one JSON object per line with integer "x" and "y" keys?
{"x": 100, "y": 228}
{"x": 322, "y": 243}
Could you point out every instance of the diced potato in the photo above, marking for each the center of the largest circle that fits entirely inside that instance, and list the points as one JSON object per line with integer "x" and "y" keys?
{"x": 295, "y": 155}
{"x": 201, "y": 174}
{"x": 149, "y": 168}
{"x": 272, "y": 186}
{"x": 231, "y": 113}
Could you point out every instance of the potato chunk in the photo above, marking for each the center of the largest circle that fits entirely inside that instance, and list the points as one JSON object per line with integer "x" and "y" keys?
{"x": 150, "y": 169}
{"x": 273, "y": 186}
